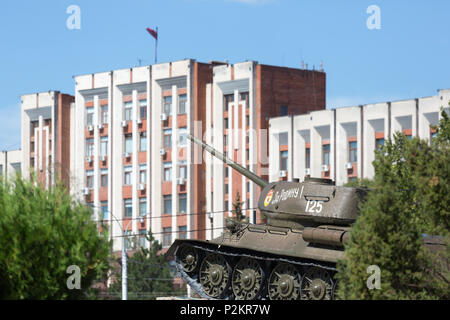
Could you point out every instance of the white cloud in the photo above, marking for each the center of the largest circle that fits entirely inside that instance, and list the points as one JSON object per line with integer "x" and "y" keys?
{"x": 10, "y": 131}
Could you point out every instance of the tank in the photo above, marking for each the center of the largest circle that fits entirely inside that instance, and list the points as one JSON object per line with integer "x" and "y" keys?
{"x": 291, "y": 257}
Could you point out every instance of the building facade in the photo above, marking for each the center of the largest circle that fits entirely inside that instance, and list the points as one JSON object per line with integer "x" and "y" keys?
{"x": 130, "y": 157}
{"x": 10, "y": 163}
{"x": 46, "y": 149}
{"x": 340, "y": 144}
{"x": 240, "y": 101}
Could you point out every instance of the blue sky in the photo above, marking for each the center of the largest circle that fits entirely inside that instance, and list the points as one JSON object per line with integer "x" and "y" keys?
{"x": 407, "y": 58}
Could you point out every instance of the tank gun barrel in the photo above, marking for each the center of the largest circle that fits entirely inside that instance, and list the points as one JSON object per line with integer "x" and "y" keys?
{"x": 250, "y": 175}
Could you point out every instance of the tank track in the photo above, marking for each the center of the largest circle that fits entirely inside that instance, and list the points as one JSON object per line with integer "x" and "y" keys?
{"x": 192, "y": 279}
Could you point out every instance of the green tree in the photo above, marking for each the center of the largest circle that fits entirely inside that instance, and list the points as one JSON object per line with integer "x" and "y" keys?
{"x": 149, "y": 275}
{"x": 359, "y": 183}
{"x": 42, "y": 233}
{"x": 409, "y": 197}
{"x": 237, "y": 205}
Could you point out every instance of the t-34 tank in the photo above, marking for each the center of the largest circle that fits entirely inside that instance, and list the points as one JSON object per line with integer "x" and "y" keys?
{"x": 293, "y": 256}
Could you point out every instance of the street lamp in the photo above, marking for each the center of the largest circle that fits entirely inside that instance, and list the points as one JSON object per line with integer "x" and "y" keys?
{"x": 124, "y": 264}
{"x": 124, "y": 256}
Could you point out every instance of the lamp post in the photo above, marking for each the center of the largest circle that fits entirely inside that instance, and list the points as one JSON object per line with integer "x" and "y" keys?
{"x": 124, "y": 257}
{"x": 124, "y": 265}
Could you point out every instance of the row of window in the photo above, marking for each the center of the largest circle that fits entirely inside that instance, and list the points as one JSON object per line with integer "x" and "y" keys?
{"x": 128, "y": 144}
{"x": 167, "y": 237}
{"x": 227, "y": 98}
{"x": 142, "y": 144}
{"x": 142, "y": 105}
{"x": 352, "y": 154}
{"x": 128, "y": 174}
{"x": 167, "y": 104}
{"x": 182, "y": 203}
{"x": 167, "y": 232}
{"x": 182, "y": 137}
{"x": 128, "y": 206}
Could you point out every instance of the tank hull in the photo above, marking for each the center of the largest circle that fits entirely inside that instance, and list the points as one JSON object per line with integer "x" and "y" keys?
{"x": 265, "y": 246}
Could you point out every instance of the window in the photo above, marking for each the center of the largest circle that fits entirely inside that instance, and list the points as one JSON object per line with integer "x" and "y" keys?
{"x": 104, "y": 146}
{"x": 167, "y": 138}
{"x": 128, "y": 173}
{"x": 379, "y": 143}
{"x": 143, "y": 142}
{"x": 129, "y": 143}
{"x": 143, "y": 109}
{"x": 226, "y": 205}
{"x": 352, "y": 151}
{"x": 167, "y": 204}
{"x": 128, "y": 207}
{"x": 89, "y": 147}
{"x": 247, "y": 120}
{"x": 182, "y": 232}
{"x": 143, "y": 173}
{"x": 90, "y": 179}
{"x": 167, "y": 105}
{"x": 243, "y": 96}
{"x": 167, "y": 238}
{"x": 248, "y": 186}
{"x": 247, "y": 152}
{"x": 90, "y": 116}
{"x": 104, "y": 178}
{"x": 128, "y": 111}
{"x": 307, "y": 158}
{"x": 326, "y": 154}
{"x": 225, "y": 123}
{"x": 104, "y": 206}
{"x": 182, "y": 173}
{"x": 227, "y": 99}
{"x": 104, "y": 114}
{"x": 142, "y": 206}
{"x": 284, "y": 110}
{"x": 283, "y": 160}
{"x": 226, "y": 188}
{"x": 226, "y": 172}
{"x": 182, "y": 99}
{"x": 182, "y": 139}
{"x": 167, "y": 171}
{"x": 182, "y": 202}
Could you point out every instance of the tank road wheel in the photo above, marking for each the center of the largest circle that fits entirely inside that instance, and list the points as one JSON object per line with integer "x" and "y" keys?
{"x": 317, "y": 284}
{"x": 215, "y": 274}
{"x": 188, "y": 258}
{"x": 247, "y": 280}
{"x": 284, "y": 282}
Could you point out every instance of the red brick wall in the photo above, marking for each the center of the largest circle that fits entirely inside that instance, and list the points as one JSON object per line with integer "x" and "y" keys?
{"x": 63, "y": 138}
{"x": 202, "y": 75}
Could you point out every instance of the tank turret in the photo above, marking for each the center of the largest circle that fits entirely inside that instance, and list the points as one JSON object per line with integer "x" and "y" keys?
{"x": 297, "y": 205}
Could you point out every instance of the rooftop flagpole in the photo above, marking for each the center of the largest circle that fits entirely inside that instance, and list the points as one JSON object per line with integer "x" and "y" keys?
{"x": 156, "y": 46}
{"x": 154, "y": 34}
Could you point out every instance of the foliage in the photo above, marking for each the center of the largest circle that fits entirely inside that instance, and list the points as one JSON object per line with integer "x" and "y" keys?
{"x": 149, "y": 275}
{"x": 367, "y": 183}
{"x": 237, "y": 205}
{"x": 42, "y": 233}
{"x": 409, "y": 197}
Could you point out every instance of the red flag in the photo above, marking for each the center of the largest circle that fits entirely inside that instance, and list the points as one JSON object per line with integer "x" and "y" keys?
{"x": 153, "y": 33}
